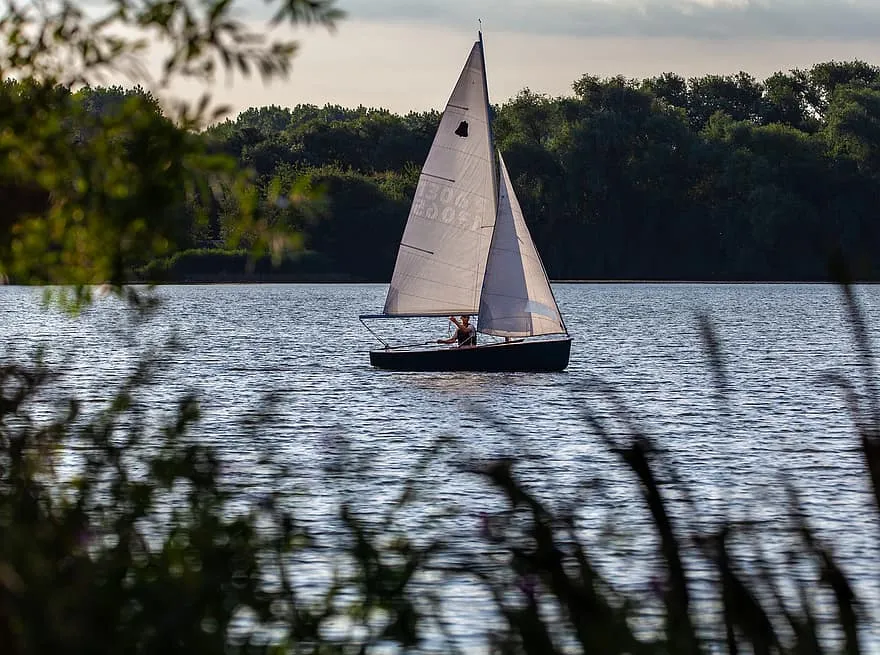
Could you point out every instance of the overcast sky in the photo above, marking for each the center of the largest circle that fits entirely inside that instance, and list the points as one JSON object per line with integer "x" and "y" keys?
{"x": 406, "y": 54}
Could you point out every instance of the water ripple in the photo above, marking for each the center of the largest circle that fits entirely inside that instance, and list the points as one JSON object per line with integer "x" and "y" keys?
{"x": 349, "y": 430}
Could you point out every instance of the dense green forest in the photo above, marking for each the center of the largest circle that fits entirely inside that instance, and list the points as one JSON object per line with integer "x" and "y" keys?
{"x": 710, "y": 178}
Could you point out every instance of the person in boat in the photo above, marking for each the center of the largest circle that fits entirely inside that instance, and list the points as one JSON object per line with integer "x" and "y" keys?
{"x": 465, "y": 334}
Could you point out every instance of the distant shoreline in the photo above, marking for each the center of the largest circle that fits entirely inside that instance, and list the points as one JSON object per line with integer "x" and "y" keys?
{"x": 743, "y": 282}
{"x": 213, "y": 266}
{"x": 346, "y": 279}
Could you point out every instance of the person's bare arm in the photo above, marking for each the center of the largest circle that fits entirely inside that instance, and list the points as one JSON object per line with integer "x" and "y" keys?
{"x": 450, "y": 340}
{"x": 456, "y": 321}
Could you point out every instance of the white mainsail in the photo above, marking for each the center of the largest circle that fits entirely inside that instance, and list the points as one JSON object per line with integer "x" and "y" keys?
{"x": 516, "y": 299}
{"x": 442, "y": 256}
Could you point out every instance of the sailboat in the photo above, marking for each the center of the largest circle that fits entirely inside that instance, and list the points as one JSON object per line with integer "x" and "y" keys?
{"x": 466, "y": 250}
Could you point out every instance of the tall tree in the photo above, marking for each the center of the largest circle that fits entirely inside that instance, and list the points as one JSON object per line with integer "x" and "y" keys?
{"x": 739, "y": 96}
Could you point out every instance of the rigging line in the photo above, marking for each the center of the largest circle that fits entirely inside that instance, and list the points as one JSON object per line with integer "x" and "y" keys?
{"x": 413, "y": 345}
{"x": 553, "y": 295}
{"x": 443, "y": 314}
{"x": 381, "y": 340}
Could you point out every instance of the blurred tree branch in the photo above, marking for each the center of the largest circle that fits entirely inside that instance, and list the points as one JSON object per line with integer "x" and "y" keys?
{"x": 90, "y": 192}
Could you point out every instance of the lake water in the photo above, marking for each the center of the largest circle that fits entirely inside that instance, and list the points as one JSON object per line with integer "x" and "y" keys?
{"x": 350, "y": 431}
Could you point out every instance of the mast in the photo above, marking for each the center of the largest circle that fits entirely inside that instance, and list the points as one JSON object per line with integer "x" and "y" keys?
{"x": 489, "y": 115}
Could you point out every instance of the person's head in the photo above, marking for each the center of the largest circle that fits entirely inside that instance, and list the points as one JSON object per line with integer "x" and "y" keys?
{"x": 465, "y": 319}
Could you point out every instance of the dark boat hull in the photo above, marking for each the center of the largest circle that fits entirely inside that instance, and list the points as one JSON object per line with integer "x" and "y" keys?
{"x": 516, "y": 356}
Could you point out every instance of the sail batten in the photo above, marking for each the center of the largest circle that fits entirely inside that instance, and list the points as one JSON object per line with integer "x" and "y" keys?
{"x": 440, "y": 269}
{"x": 516, "y": 299}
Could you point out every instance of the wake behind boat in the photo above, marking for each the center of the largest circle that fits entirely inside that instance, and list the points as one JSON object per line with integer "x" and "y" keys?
{"x": 466, "y": 250}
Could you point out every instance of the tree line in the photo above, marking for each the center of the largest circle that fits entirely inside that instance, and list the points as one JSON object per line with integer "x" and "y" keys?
{"x": 708, "y": 178}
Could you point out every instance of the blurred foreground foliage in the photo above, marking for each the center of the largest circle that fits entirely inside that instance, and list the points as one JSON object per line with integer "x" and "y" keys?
{"x": 96, "y": 182}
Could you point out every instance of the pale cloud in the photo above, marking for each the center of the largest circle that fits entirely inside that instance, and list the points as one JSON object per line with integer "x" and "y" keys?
{"x": 406, "y": 55}
{"x": 414, "y": 66}
{"x": 712, "y": 19}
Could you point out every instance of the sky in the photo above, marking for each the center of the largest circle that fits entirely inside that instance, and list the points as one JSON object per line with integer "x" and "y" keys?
{"x": 406, "y": 54}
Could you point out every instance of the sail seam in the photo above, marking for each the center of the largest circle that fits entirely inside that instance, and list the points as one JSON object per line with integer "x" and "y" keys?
{"x": 518, "y": 252}
{"x": 439, "y": 284}
{"x": 506, "y": 295}
{"x": 455, "y": 310}
{"x": 463, "y": 152}
{"x": 474, "y": 230}
{"x": 444, "y": 262}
